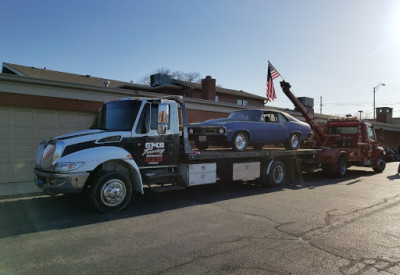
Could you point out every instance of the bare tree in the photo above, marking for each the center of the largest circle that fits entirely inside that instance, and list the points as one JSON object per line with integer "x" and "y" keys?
{"x": 192, "y": 77}
{"x": 178, "y": 75}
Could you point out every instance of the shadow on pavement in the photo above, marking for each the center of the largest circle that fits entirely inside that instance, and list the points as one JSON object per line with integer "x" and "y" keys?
{"x": 393, "y": 177}
{"x": 37, "y": 214}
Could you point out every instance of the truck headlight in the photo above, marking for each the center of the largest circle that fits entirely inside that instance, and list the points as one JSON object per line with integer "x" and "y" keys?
{"x": 49, "y": 152}
{"x": 190, "y": 130}
{"x": 221, "y": 131}
{"x": 67, "y": 166}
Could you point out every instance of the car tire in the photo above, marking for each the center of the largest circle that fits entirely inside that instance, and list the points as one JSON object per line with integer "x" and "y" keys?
{"x": 240, "y": 141}
{"x": 293, "y": 142}
{"x": 110, "y": 191}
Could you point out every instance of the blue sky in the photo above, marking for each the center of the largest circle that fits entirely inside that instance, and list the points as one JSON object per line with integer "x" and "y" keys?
{"x": 338, "y": 50}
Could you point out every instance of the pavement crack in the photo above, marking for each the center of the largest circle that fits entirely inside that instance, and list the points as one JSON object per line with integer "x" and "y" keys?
{"x": 198, "y": 258}
{"x": 334, "y": 221}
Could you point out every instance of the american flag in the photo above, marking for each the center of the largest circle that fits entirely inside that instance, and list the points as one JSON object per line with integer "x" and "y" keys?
{"x": 272, "y": 74}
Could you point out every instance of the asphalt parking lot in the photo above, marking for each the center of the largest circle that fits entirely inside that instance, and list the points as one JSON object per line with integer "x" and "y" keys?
{"x": 321, "y": 226}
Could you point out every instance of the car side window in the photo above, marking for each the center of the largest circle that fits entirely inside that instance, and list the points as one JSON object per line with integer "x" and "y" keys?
{"x": 270, "y": 117}
{"x": 282, "y": 118}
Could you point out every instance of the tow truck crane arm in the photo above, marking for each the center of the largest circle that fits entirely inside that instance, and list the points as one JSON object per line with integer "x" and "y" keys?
{"x": 309, "y": 117}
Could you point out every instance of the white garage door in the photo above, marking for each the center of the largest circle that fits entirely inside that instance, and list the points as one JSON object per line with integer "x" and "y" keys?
{"x": 21, "y": 131}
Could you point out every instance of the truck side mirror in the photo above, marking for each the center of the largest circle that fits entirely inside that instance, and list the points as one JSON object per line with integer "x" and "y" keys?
{"x": 163, "y": 119}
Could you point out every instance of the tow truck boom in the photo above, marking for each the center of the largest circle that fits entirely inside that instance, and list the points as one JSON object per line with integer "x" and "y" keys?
{"x": 321, "y": 136}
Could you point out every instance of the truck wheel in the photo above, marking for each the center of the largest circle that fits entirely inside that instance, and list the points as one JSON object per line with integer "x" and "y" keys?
{"x": 201, "y": 145}
{"x": 293, "y": 143}
{"x": 380, "y": 166}
{"x": 110, "y": 192}
{"x": 341, "y": 166}
{"x": 239, "y": 141}
{"x": 277, "y": 173}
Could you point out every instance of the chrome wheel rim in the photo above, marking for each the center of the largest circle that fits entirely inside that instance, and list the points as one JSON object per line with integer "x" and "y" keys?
{"x": 240, "y": 141}
{"x": 277, "y": 174}
{"x": 113, "y": 192}
{"x": 295, "y": 141}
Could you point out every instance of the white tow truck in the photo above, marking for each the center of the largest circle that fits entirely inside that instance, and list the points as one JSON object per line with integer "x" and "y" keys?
{"x": 139, "y": 142}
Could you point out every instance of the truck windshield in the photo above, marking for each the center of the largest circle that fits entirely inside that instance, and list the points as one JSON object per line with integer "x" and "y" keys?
{"x": 117, "y": 115}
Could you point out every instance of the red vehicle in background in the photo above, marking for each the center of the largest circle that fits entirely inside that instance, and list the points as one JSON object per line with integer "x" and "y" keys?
{"x": 345, "y": 142}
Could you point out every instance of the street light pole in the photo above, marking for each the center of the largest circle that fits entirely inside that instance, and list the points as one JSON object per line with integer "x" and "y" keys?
{"x": 375, "y": 89}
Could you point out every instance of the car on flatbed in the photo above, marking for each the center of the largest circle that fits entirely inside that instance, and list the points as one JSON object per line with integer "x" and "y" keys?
{"x": 255, "y": 127}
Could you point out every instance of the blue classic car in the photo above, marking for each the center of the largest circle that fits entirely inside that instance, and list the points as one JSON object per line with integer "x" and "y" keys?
{"x": 250, "y": 127}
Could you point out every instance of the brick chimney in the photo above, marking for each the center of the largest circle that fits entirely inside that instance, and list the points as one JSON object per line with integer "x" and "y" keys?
{"x": 384, "y": 115}
{"x": 208, "y": 88}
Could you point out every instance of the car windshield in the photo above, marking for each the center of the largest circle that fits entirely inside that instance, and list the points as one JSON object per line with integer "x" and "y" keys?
{"x": 247, "y": 115}
{"x": 117, "y": 115}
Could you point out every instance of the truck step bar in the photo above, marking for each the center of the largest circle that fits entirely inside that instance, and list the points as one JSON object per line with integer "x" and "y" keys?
{"x": 163, "y": 188}
{"x": 169, "y": 177}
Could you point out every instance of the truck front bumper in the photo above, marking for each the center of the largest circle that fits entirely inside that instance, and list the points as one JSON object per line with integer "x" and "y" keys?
{"x": 52, "y": 183}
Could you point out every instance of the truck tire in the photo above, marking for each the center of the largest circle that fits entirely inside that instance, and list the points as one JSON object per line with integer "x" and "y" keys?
{"x": 277, "y": 174}
{"x": 240, "y": 141}
{"x": 341, "y": 168}
{"x": 293, "y": 142}
{"x": 380, "y": 167}
{"x": 110, "y": 192}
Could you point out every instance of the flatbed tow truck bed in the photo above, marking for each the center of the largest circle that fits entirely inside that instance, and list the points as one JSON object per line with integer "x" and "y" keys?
{"x": 218, "y": 154}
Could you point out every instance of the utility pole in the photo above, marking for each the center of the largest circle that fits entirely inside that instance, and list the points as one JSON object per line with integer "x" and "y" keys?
{"x": 375, "y": 89}
{"x": 320, "y": 105}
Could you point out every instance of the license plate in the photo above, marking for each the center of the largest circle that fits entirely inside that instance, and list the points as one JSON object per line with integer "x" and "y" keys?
{"x": 202, "y": 138}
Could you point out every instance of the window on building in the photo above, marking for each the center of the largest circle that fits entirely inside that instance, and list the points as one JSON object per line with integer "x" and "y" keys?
{"x": 242, "y": 102}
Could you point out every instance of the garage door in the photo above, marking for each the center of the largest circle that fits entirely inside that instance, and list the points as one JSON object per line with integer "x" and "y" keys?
{"x": 21, "y": 131}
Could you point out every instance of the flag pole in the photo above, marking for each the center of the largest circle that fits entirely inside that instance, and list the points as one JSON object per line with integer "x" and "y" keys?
{"x": 269, "y": 63}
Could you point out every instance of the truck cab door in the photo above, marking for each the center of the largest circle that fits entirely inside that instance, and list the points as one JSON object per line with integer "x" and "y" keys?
{"x": 156, "y": 147}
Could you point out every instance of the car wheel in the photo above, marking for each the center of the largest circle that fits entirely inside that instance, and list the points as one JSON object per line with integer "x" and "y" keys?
{"x": 201, "y": 145}
{"x": 240, "y": 141}
{"x": 293, "y": 143}
{"x": 110, "y": 192}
